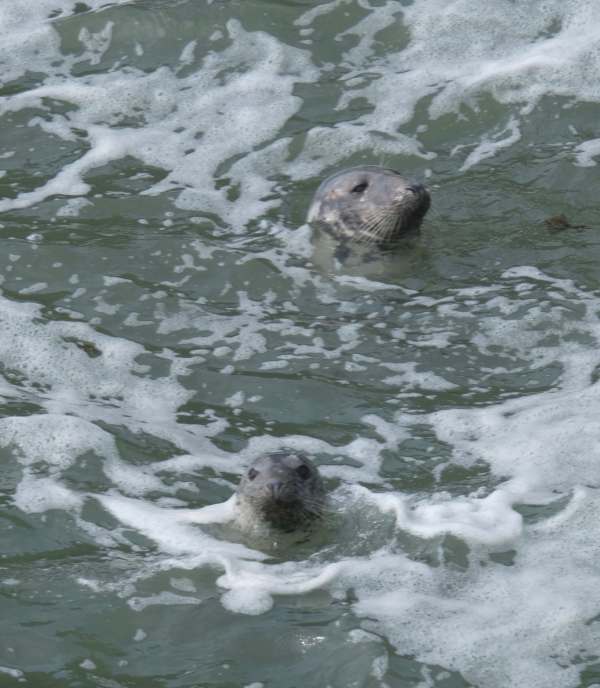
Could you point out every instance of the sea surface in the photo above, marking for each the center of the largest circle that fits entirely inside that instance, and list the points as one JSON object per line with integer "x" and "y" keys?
{"x": 166, "y": 316}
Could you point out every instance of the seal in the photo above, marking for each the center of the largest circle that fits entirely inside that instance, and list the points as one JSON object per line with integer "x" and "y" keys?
{"x": 369, "y": 204}
{"x": 283, "y": 490}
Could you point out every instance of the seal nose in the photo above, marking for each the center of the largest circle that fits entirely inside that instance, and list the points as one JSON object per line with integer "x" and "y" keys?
{"x": 417, "y": 188}
{"x": 275, "y": 488}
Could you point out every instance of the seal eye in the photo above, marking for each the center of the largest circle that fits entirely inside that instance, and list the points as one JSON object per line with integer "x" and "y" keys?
{"x": 359, "y": 188}
{"x": 303, "y": 471}
{"x": 252, "y": 473}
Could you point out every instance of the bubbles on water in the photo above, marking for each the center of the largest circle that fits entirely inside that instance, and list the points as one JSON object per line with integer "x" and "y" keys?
{"x": 195, "y": 127}
{"x": 586, "y": 152}
{"x": 498, "y": 380}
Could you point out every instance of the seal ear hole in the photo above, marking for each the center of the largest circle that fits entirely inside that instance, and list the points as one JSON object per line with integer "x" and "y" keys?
{"x": 303, "y": 471}
{"x": 359, "y": 188}
{"x": 252, "y": 473}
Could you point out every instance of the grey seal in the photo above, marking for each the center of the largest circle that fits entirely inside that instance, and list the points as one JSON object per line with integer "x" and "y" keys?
{"x": 369, "y": 204}
{"x": 282, "y": 490}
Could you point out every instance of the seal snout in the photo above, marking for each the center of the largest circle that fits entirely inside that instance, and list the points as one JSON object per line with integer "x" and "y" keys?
{"x": 417, "y": 188}
{"x": 281, "y": 489}
{"x": 277, "y": 490}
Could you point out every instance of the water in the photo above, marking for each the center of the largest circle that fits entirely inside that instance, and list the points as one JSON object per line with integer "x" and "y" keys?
{"x": 167, "y": 317}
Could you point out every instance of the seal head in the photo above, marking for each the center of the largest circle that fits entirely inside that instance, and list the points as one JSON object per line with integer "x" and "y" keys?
{"x": 283, "y": 490}
{"x": 369, "y": 204}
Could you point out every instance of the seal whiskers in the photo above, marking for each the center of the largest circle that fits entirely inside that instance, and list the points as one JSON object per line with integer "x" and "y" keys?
{"x": 382, "y": 227}
{"x": 369, "y": 204}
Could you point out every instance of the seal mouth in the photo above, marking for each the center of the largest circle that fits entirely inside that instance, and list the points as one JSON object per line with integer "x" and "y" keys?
{"x": 286, "y": 515}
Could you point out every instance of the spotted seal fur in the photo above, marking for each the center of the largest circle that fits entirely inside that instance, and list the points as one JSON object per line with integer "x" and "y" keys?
{"x": 369, "y": 204}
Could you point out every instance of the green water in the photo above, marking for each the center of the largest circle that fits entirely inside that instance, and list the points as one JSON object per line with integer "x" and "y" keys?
{"x": 165, "y": 318}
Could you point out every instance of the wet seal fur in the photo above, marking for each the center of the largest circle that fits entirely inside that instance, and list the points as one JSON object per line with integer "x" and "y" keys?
{"x": 282, "y": 490}
{"x": 370, "y": 205}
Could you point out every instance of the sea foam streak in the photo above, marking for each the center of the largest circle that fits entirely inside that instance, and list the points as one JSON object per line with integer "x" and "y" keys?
{"x": 542, "y": 447}
{"x": 506, "y": 594}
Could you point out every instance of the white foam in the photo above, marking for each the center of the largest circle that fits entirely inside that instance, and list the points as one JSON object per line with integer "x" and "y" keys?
{"x": 187, "y": 54}
{"x": 96, "y": 44}
{"x": 546, "y": 445}
{"x": 471, "y": 624}
{"x": 308, "y": 17}
{"x": 410, "y": 378}
{"x": 488, "y": 520}
{"x": 586, "y": 152}
{"x": 15, "y": 673}
{"x": 234, "y": 113}
{"x": 541, "y": 448}
{"x": 34, "y": 288}
{"x": 488, "y": 147}
{"x": 482, "y": 620}
{"x": 38, "y": 495}
{"x": 458, "y": 53}
{"x": 140, "y": 635}
{"x": 183, "y": 584}
{"x": 73, "y": 207}
{"x": 380, "y": 666}
{"x": 166, "y": 598}
{"x": 47, "y": 354}
{"x": 251, "y": 586}
{"x": 179, "y": 537}
{"x": 55, "y": 441}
